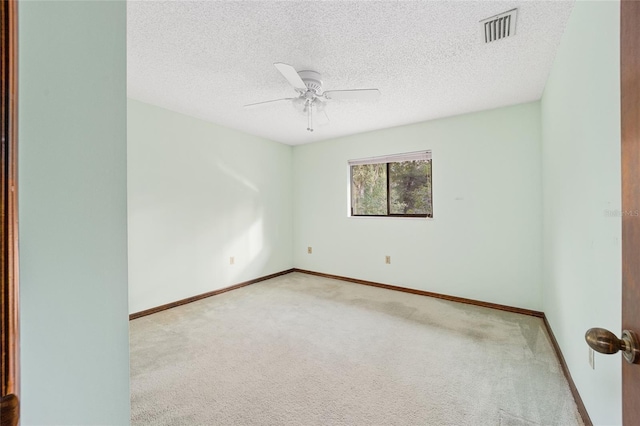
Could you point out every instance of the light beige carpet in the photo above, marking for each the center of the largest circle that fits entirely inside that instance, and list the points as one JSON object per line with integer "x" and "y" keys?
{"x": 305, "y": 350}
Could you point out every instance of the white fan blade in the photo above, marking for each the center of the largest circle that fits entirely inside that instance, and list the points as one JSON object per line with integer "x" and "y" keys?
{"x": 257, "y": 104}
{"x": 292, "y": 76}
{"x": 355, "y": 94}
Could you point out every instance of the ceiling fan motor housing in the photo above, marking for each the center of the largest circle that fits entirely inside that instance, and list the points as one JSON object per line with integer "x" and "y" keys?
{"x": 312, "y": 80}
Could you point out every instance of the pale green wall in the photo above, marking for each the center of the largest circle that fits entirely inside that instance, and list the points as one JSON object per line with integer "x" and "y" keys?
{"x": 485, "y": 239}
{"x": 73, "y": 218}
{"x": 581, "y": 181}
{"x": 200, "y": 193}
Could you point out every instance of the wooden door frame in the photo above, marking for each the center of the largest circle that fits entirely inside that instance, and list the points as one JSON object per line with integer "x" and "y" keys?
{"x": 9, "y": 342}
{"x": 630, "y": 150}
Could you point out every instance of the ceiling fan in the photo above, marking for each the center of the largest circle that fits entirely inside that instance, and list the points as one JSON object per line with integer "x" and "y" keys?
{"x": 311, "y": 95}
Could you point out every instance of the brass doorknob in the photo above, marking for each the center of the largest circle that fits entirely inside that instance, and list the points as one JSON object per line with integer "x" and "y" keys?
{"x": 606, "y": 342}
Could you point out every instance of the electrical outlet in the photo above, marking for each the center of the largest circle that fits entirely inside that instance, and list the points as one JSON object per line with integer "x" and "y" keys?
{"x": 592, "y": 360}
{"x": 232, "y": 260}
{"x": 387, "y": 260}
{"x": 309, "y": 250}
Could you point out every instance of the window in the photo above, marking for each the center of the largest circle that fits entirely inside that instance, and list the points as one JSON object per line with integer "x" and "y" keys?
{"x": 393, "y": 185}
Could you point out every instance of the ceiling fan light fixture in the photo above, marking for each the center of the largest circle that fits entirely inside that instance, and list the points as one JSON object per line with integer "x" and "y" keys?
{"x": 299, "y": 104}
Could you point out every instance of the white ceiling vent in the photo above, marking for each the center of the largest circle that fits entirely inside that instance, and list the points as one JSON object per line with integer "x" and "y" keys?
{"x": 499, "y": 26}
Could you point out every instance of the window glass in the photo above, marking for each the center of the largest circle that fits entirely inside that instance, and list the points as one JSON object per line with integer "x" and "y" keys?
{"x": 369, "y": 189}
{"x": 397, "y": 185}
{"x": 410, "y": 187}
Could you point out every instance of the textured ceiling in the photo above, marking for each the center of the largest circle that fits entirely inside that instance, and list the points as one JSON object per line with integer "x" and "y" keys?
{"x": 208, "y": 59}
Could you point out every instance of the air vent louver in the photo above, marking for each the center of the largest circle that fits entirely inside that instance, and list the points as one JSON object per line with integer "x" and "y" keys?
{"x": 499, "y": 26}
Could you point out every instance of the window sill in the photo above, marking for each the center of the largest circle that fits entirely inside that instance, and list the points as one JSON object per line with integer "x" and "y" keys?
{"x": 427, "y": 219}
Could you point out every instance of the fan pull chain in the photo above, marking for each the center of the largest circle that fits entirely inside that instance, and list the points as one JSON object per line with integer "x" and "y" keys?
{"x": 310, "y": 116}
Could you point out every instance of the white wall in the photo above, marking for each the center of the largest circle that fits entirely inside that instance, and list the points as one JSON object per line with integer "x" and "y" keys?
{"x": 73, "y": 218}
{"x": 484, "y": 242}
{"x": 581, "y": 181}
{"x": 200, "y": 193}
